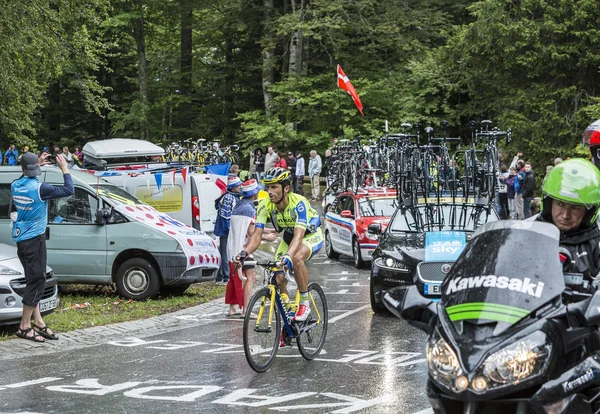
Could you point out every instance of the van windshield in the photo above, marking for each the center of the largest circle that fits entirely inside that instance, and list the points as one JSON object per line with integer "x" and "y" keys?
{"x": 116, "y": 194}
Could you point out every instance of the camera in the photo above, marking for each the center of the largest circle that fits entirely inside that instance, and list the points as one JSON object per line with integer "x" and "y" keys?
{"x": 51, "y": 158}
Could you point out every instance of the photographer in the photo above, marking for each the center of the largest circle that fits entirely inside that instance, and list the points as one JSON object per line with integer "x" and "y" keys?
{"x": 31, "y": 197}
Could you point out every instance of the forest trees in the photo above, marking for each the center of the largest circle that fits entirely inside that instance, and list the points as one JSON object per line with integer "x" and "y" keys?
{"x": 263, "y": 71}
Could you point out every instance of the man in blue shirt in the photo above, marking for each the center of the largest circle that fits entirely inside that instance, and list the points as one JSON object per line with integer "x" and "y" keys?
{"x": 225, "y": 205}
{"x": 30, "y": 197}
{"x": 11, "y": 155}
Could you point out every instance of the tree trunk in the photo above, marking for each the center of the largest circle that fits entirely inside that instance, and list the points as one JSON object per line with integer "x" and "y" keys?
{"x": 185, "y": 113}
{"x": 140, "y": 41}
{"x": 296, "y": 43}
{"x": 268, "y": 64}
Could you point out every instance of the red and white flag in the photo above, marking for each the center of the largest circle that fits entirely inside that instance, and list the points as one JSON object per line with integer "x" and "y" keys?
{"x": 345, "y": 84}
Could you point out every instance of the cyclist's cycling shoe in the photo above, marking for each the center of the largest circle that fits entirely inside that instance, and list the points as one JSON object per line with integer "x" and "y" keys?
{"x": 303, "y": 312}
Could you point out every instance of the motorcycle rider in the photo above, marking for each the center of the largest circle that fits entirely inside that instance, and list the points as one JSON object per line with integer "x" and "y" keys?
{"x": 571, "y": 202}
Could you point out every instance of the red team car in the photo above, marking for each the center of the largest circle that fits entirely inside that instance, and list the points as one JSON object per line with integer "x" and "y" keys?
{"x": 351, "y": 221}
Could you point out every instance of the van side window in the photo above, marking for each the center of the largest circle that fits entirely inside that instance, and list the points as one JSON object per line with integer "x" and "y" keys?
{"x": 5, "y": 200}
{"x": 80, "y": 208}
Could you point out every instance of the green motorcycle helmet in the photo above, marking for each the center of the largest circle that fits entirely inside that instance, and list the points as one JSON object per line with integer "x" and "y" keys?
{"x": 575, "y": 181}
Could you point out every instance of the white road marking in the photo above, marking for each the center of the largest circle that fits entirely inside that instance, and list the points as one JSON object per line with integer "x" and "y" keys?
{"x": 344, "y": 273}
{"x": 426, "y": 411}
{"x": 323, "y": 263}
{"x": 348, "y": 302}
{"x": 353, "y": 285}
{"x": 342, "y": 292}
{"x": 343, "y": 315}
{"x": 342, "y": 279}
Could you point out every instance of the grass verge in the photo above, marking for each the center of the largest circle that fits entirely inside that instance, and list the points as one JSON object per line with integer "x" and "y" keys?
{"x": 102, "y": 306}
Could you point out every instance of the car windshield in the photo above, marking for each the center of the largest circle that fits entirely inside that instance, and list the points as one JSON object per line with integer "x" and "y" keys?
{"x": 116, "y": 194}
{"x": 377, "y": 207}
{"x": 442, "y": 217}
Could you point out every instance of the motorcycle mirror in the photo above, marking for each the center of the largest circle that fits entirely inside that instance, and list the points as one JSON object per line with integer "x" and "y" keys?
{"x": 410, "y": 305}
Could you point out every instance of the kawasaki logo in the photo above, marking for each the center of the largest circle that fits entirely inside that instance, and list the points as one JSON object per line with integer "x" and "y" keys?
{"x": 498, "y": 282}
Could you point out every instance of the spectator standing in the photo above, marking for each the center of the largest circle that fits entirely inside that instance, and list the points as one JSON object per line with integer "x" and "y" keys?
{"x": 243, "y": 220}
{"x": 57, "y": 150}
{"x": 528, "y": 189}
{"x": 252, "y": 167}
{"x": 234, "y": 171}
{"x": 519, "y": 189}
{"x": 11, "y": 155}
{"x": 300, "y": 172}
{"x": 68, "y": 156}
{"x": 509, "y": 181}
{"x": 225, "y": 205}
{"x": 291, "y": 166}
{"x": 271, "y": 158}
{"x": 259, "y": 162}
{"x": 25, "y": 149}
{"x": 314, "y": 171}
{"x": 327, "y": 166}
{"x": 29, "y": 233}
{"x": 281, "y": 162}
{"x": 503, "y": 193}
{"x": 557, "y": 161}
{"x": 77, "y": 153}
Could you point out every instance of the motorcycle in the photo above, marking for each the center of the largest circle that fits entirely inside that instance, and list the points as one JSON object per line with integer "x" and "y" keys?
{"x": 513, "y": 332}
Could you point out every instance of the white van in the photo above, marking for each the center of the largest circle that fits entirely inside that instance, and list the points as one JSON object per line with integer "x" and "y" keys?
{"x": 102, "y": 235}
{"x": 129, "y": 165}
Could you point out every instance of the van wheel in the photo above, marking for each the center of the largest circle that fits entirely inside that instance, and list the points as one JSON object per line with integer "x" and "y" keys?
{"x": 174, "y": 290}
{"x": 137, "y": 279}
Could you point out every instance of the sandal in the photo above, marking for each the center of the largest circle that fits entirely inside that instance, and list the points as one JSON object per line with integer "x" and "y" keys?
{"x": 44, "y": 332}
{"x": 22, "y": 333}
{"x": 233, "y": 315}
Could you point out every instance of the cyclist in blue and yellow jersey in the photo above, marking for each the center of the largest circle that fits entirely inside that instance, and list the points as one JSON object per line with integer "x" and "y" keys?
{"x": 299, "y": 223}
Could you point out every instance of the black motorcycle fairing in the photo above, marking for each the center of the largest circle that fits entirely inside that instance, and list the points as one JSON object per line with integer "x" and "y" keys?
{"x": 500, "y": 278}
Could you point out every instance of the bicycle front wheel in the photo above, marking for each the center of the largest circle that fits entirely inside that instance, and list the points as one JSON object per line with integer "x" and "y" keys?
{"x": 261, "y": 338}
{"x": 314, "y": 329}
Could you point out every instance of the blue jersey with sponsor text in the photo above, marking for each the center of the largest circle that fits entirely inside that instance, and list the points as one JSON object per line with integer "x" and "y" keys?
{"x": 31, "y": 201}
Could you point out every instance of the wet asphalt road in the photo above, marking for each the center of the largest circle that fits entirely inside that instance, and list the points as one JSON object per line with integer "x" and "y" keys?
{"x": 370, "y": 363}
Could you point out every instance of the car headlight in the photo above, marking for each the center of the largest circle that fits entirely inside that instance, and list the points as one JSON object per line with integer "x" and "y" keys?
{"x": 518, "y": 361}
{"x": 443, "y": 364}
{"x": 8, "y": 271}
{"x": 391, "y": 263}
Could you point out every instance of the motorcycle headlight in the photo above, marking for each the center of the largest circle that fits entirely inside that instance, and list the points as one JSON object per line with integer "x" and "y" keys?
{"x": 444, "y": 365}
{"x": 521, "y": 360}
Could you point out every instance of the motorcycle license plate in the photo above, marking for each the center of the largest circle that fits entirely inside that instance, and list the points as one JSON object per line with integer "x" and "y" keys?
{"x": 432, "y": 289}
{"x": 48, "y": 304}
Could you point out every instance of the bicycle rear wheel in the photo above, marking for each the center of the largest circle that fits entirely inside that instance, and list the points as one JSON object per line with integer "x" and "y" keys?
{"x": 311, "y": 340}
{"x": 261, "y": 339}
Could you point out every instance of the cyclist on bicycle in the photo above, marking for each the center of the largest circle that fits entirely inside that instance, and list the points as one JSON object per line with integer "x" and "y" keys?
{"x": 299, "y": 223}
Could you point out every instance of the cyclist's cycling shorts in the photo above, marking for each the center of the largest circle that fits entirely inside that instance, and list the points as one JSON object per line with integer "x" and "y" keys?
{"x": 314, "y": 242}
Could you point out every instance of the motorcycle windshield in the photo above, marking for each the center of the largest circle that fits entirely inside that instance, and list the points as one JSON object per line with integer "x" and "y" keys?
{"x": 507, "y": 270}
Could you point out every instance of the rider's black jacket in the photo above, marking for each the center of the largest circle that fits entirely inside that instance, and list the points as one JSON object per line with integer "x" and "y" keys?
{"x": 584, "y": 246}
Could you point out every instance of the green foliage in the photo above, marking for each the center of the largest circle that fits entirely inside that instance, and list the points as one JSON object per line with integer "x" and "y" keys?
{"x": 71, "y": 74}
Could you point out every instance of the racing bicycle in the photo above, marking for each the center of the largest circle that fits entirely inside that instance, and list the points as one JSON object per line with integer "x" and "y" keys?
{"x": 266, "y": 312}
